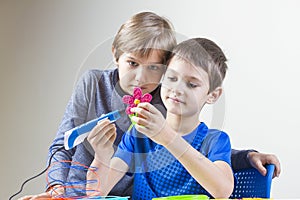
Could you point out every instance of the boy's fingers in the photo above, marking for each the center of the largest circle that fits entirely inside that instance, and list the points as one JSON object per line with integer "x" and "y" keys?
{"x": 103, "y": 122}
{"x": 109, "y": 136}
{"x": 45, "y": 195}
{"x": 106, "y": 135}
{"x": 141, "y": 129}
{"x": 112, "y": 138}
{"x": 262, "y": 170}
{"x": 101, "y": 126}
{"x": 140, "y": 121}
{"x": 142, "y": 113}
{"x": 147, "y": 106}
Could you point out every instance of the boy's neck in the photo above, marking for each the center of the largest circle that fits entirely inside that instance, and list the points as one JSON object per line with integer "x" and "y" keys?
{"x": 182, "y": 125}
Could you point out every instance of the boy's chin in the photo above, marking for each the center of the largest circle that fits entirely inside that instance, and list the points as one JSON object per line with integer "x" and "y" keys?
{"x": 174, "y": 110}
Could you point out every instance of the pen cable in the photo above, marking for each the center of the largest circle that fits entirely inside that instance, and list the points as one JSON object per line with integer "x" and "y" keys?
{"x": 39, "y": 174}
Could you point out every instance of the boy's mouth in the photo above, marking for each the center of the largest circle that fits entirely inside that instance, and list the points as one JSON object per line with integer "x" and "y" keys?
{"x": 142, "y": 87}
{"x": 175, "y": 100}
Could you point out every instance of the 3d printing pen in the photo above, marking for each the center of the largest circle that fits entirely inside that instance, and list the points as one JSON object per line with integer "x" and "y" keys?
{"x": 76, "y": 135}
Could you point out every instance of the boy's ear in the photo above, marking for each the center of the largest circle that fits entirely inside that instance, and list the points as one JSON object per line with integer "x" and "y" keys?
{"x": 214, "y": 95}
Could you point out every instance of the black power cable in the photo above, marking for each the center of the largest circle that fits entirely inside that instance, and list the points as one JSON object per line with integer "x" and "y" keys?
{"x": 42, "y": 172}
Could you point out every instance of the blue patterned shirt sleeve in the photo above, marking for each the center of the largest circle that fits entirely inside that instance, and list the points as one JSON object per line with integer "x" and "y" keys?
{"x": 125, "y": 150}
{"x": 216, "y": 146}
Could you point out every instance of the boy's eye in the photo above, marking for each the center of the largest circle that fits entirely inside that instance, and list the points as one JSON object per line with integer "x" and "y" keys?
{"x": 153, "y": 67}
{"x": 191, "y": 85}
{"x": 157, "y": 68}
{"x": 133, "y": 64}
{"x": 172, "y": 78}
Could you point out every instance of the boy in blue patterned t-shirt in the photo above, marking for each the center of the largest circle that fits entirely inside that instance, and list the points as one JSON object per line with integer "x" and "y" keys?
{"x": 177, "y": 155}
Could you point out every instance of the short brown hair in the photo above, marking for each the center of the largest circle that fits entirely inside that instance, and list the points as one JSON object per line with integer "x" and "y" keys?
{"x": 204, "y": 53}
{"x": 143, "y": 33}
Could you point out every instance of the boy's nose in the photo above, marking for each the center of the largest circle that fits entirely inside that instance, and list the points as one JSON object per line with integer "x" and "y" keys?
{"x": 178, "y": 88}
{"x": 141, "y": 75}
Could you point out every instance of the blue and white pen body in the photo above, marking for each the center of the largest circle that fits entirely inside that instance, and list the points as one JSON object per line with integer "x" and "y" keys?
{"x": 76, "y": 135}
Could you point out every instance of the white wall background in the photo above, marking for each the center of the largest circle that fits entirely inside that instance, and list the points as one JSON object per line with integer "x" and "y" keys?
{"x": 44, "y": 45}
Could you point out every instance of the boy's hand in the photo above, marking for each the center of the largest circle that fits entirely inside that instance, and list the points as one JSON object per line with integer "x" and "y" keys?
{"x": 56, "y": 190}
{"x": 102, "y": 139}
{"x": 258, "y": 160}
{"x": 151, "y": 122}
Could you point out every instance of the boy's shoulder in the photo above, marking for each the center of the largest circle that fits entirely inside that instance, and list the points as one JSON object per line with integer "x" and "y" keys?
{"x": 213, "y": 134}
{"x": 210, "y": 132}
{"x": 212, "y": 138}
{"x": 97, "y": 73}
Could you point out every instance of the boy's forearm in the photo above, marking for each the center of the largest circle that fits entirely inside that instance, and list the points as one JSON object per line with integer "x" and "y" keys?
{"x": 59, "y": 170}
{"x": 97, "y": 178}
{"x": 107, "y": 174}
{"x": 207, "y": 173}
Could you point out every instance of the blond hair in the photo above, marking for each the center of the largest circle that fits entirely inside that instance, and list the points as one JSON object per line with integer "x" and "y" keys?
{"x": 143, "y": 33}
